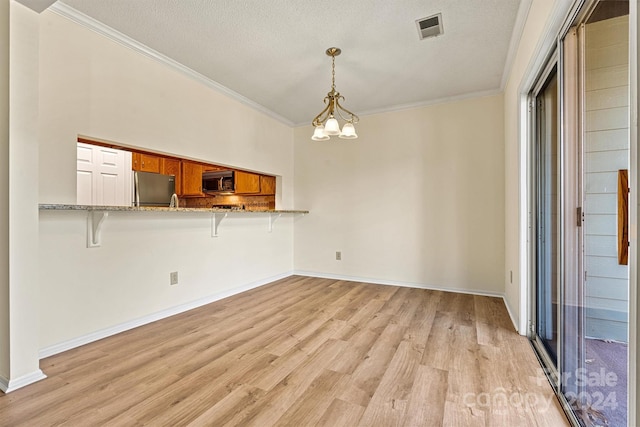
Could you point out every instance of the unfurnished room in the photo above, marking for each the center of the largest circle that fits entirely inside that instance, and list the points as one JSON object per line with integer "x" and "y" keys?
{"x": 368, "y": 213}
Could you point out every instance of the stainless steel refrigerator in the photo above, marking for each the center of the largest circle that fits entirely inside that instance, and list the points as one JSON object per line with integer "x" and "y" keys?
{"x": 153, "y": 189}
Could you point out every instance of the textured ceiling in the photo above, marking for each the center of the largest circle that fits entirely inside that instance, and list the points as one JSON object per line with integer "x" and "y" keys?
{"x": 272, "y": 52}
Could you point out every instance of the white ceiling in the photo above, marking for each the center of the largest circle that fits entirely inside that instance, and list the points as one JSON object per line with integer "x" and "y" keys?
{"x": 273, "y": 52}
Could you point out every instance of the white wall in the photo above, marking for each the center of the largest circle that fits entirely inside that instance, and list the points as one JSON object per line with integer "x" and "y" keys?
{"x": 417, "y": 199}
{"x": 5, "y": 358}
{"x": 83, "y": 291}
{"x": 22, "y": 344}
{"x": 93, "y": 86}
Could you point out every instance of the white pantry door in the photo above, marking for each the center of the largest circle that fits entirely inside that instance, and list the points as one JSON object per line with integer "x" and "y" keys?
{"x": 104, "y": 176}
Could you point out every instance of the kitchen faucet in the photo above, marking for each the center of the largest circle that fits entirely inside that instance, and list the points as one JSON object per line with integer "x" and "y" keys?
{"x": 174, "y": 201}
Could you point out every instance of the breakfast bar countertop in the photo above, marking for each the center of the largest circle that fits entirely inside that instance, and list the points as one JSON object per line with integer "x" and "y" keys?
{"x": 66, "y": 207}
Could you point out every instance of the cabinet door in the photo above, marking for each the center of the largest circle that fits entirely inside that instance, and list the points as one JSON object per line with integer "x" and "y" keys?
{"x": 191, "y": 179}
{"x": 135, "y": 161}
{"x": 170, "y": 166}
{"x": 247, "y": 183}
{"x": 267, "y": 185}
{"x": 149, "y": 163}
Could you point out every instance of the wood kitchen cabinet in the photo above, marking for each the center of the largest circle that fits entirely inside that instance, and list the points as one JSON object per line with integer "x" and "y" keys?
{"x": 188, "y": 173}
{"x": 170, "y": 166}
{"x": 247, "y": 183}
{"x": 191, "y": 179}
{"x": 145, "y": 162}
{"x": 267, "y": 185}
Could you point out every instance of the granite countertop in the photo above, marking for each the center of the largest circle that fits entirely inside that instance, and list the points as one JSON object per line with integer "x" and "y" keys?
{"x": 64, "y": 207}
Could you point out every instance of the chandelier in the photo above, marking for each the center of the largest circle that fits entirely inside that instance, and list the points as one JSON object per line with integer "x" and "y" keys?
{"x": 326, "y": 123}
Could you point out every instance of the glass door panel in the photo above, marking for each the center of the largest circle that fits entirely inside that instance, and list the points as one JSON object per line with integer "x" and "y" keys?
{"x": 580, "y": 149}
{"x": 548, "y": 226}
{"x": 601, "y": 378}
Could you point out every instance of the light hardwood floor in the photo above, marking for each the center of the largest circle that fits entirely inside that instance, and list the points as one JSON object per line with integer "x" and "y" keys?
{"x": 302, "y": 352}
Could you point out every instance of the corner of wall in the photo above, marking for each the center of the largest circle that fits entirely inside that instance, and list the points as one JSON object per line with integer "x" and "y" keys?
{"x": 4, "y": 189}
{"x": 22, "y": 200}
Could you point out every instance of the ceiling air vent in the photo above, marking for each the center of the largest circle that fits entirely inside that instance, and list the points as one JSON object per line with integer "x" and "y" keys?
{"x": 430, "y": 26}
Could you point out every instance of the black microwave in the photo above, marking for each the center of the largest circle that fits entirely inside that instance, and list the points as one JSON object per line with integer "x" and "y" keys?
{"x": 218, "y": 182}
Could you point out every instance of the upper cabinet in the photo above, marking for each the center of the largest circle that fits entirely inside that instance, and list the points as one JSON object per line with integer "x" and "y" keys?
{"x": 146, "y": 162}
{"x": 171, "y": 166}
{"x": 247, "y": 183}
{"x": 191, "y": 178}
{"x": 267, "y": 185}
{"x": 135, "y": 161}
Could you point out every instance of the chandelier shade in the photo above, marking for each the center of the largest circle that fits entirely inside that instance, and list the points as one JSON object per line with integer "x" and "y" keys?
{"x": 332, "y": 127}
{"x": 348, "y": 131}
{"x": 319, "y": 135}
{"x": 326, "y": 123}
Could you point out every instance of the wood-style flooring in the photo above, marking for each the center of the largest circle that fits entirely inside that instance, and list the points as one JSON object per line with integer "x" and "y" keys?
{"x": 302, "y": 352}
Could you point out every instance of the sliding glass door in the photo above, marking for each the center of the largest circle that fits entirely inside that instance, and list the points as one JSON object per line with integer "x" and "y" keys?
{"x": 604, "y": 41}
{"x": 545, "y": 106}
{"x": 579, "y": 116}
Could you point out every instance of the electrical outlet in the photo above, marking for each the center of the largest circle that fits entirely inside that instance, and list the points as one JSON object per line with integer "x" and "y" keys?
{"x": 338, "y": 255}
{"x": 174, "y": 277}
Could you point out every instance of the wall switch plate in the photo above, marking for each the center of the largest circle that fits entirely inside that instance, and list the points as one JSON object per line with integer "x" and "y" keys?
{"x": 174, "y": 277}
{"x": 338, "y": 255}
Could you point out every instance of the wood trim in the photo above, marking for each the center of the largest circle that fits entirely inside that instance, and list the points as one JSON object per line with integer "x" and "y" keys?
{"x": 623, "y": 217}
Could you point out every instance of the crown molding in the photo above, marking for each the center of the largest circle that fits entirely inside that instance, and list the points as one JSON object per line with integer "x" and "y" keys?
{"x": 78, "y": 17}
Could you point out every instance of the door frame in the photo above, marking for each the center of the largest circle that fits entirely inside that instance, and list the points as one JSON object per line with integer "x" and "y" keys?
{"x": 551, "y": 369}
{"x": 633, "y": 418}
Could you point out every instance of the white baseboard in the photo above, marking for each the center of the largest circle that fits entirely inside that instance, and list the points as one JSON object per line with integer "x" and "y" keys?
{"x": 7, "y": 386}
{"x": 397, "y": 283}
{"x": 107, "y": 332}
{"x": 413, "y": 285}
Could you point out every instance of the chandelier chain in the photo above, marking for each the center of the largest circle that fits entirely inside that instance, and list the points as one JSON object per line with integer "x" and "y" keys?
{"x": 333, "y": 73}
